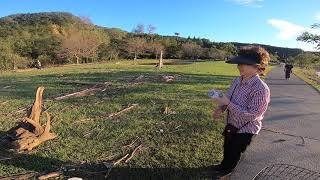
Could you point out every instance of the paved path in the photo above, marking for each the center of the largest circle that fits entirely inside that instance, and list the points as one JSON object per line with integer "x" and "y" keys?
{"x": 294, "y": 110}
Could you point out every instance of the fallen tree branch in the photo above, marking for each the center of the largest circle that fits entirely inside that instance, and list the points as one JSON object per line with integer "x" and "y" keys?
{"x": 83, "y": 82}
{"x": 50, "y": 175}
{"x": 133, "y": 153}
{"x": 122, "y": 111}
{"x": 115, "y": 162}
{"x": 112, "y": 164}
{"x": 131, "y": 144}
{"x": 120, "y": 160}
{"x": 6, "y": 158}
{"x": 82, "y": 93}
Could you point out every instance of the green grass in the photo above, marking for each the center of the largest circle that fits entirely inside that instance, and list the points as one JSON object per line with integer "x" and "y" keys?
{"x": 190, "y": 139}
{"x": 309, "y": 76}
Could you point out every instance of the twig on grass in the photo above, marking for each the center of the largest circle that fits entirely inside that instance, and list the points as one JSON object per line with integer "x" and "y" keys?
{"x": 122, "y": 111}
{"x": 133, "y": 153}
{"x": 131, "y": 144}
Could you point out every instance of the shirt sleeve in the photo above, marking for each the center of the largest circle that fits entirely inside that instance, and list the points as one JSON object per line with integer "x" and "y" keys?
{"x": 228, "y": 94}
{"x": 231, "y": 88}
{"x": 257, "y": 106}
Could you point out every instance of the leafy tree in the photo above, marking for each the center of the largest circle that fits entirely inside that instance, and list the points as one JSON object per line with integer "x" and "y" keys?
{"x": 311, "y": 38}
{"x": 307, "y": 60}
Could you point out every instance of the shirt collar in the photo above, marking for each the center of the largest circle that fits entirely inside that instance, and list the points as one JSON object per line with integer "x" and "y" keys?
{"x": 249, "y": 81}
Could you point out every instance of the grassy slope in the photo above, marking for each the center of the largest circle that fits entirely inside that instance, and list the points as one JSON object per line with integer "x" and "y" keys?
{"x": 309, "y": 76}
{"x": 195, "y": 143}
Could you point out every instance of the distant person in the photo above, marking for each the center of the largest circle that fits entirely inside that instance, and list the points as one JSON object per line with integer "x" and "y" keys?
{"x": 246, "y": 102}
{"x": 288, "y": 70}
{"x": 38, "y": 64}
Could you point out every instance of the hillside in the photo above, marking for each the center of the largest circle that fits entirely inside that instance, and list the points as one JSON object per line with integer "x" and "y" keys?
{"x": 59, "y": 38}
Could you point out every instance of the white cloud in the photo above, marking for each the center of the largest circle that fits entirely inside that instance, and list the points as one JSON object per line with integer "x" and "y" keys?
{"x": 289, "y": 30}
{"x": 250, "y": 3}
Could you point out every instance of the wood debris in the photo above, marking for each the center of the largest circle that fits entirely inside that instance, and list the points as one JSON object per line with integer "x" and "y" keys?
{"x": 132, "y": 143}
{"x": 84, "y": 82}
{"x": 50, "y": 175}
{"x": 140, "y": 78}
{"x": 86, "y": 92}
{"x": 4, "y": 102}
{"x": 6, "y": 87}
{"x": 168, "y": 111}
{"x": 115, "y": 162}
{"x": 168, "y": 78}
{"x": 122, "y": 111}
{"x": 5, "y": 158}
{"x": 30, "y": 133}
{"x": 133, "y": 153}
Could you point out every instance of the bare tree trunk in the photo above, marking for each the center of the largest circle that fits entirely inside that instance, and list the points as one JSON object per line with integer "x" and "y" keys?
{"x": 135, "y": 56}
{"x": 160, "y": 60}
{"x": 77, "y": 58}
{"x": 14, "y": 65}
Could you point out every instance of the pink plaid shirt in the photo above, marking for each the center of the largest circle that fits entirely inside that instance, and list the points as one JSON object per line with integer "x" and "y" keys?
{"x": 249, "y": 103}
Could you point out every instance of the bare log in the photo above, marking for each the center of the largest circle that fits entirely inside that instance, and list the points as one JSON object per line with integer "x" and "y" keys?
{"x": 85, "y": 92}
{"x": 50, "y": 175}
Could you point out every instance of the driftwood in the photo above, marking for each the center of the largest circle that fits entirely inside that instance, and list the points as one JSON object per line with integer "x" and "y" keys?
{"x": 122, "y": 111}
{"x": 50, "y": 175}
{"x": 30, "y": 133}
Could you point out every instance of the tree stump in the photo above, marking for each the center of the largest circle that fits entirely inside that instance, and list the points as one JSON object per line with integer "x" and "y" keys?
{"x": 29, "y": 133}
{"x": 160, "y": 61}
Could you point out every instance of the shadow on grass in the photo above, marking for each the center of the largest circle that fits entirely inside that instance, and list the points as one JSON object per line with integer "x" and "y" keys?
{"x": 26, "y": 162}
{"x": 56, "y": 85}
{"x": 148, "y": 173}
{"x": 32, "y": 166}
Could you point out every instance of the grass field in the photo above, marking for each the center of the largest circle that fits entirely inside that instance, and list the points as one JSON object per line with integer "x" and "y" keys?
{"x": 186, "y": 141}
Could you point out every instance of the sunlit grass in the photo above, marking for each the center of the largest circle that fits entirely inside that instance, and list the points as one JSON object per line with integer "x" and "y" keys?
{"x": 187, "y": 139}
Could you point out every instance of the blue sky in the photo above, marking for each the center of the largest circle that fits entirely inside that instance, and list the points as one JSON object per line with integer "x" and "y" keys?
{"x": 273, "y": 22}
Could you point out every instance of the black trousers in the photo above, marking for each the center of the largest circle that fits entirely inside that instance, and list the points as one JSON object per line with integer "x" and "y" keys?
{"x": 288, "y": 74}
{"x": 233, "y": 148}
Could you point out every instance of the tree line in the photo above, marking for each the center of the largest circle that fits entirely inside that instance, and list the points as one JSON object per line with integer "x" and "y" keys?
{"x": 59, "y": 38}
